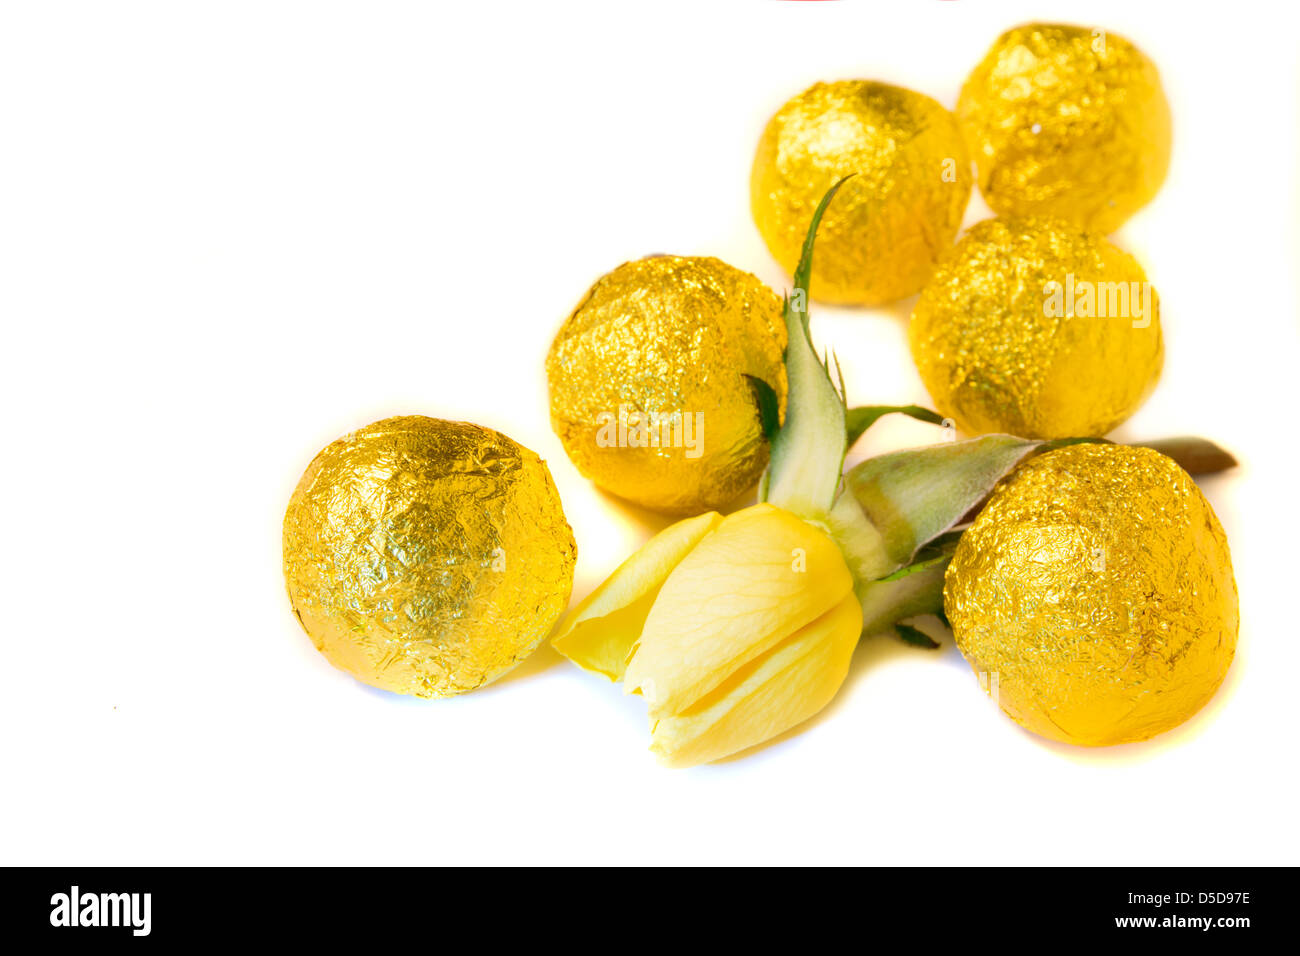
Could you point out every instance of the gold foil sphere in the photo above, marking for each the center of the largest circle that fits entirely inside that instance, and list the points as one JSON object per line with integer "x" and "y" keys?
{"x": 647, "y": 381}
{"x": 880, "y": 237}
{"x": 1094, "y": 595}
{"x": 427, "y": 557}
{"x": 1068, "y": 122}
{"x": 1038, "y": 329}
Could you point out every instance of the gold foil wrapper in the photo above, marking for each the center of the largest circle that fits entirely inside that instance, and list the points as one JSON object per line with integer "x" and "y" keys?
{"x": 427, "y": 557}
{"x": 879, "y": 239}
{"x": 1068, "y": 122}
{"x": 1038, "y": 329}
{"x": 647, "y": 381}
{"x": 1094, "y": 595}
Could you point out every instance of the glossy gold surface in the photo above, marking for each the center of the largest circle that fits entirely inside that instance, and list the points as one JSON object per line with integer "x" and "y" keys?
{"x": 881, "y": 235}
{"x": 647, "y": 381}
{"x": 1037, "y": 329}
{"x": 1069, "y": 122}
{"x": 1094, "y": 595}
{"x": 427, "y": 557}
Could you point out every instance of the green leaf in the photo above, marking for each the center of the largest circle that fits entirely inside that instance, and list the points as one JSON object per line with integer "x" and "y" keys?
{"x": 1197, "y": 456}
{"x": 769, "y": 406}
{"x": 915, "y": 636}
{"x": 808, "y": 450}
{"x": 858, "y": 420}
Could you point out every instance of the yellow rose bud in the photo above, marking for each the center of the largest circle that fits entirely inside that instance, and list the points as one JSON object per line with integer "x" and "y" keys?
{"x": 599, "y": 633}
{"x": 733, "y": 629}
{"x": 768, "y": 696}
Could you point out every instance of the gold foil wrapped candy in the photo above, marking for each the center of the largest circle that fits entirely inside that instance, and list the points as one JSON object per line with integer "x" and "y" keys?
{"x": 427, "y": 557}
{"x": 1094, "y": 595}
{"x": 647, "y": 381}
{"x": 1068, "y": 122}
{"x": 1038, "y": 329}
{"x": 880, "y": 238}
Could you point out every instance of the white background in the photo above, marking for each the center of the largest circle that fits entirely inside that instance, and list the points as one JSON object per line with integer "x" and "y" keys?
{"x": 231, "y": 232}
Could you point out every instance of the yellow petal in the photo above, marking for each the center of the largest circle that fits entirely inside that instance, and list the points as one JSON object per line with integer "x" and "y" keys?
{"x": 598, "y": 634}
{"x": 782, "y": 688}
{"x": 762, "y": 575}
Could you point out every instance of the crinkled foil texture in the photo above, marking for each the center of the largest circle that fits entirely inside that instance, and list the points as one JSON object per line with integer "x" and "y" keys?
{"x": 1067, "y": 122}
{"x": 880, "y": 237}
{"x": 427, "y": 557}
{"x": 669, "y": 335}
{"x": 996, "y": 358}
{"x": 1094, "y": 594}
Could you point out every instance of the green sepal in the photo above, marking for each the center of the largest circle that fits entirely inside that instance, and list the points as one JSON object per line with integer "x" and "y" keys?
{"x": 808, "y": 450}
{"x": 914, "y": 496}
{"x": 859, "y": 540}
{"x": 885, "y": 603}
{"x": 858, "y": 420}
{"x": 769, "y": 406}
{"x": 914, "y": 568}
{"x": 911, "y": 591}
{"x": 894, "y": 520}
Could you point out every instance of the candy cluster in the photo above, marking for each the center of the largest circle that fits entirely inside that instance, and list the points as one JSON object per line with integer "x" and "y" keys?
{"x": 1092, "y": 592}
